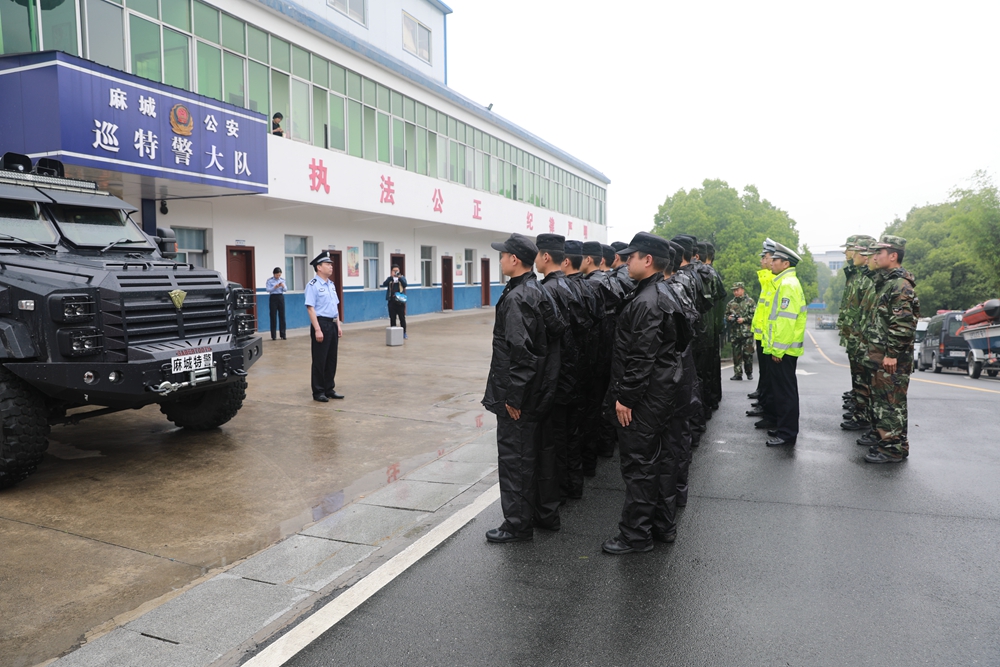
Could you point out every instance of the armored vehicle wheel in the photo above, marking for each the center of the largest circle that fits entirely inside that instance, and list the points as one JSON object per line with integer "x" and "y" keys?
{"x": 208, "y": 409}
{"x": 24, "y": 429}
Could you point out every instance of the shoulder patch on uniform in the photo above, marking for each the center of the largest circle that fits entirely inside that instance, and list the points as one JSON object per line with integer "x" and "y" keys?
{"x": 312, "y": 282}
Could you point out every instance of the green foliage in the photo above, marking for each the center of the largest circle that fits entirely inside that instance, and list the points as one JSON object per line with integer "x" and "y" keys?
{"x": 737, "y": 225}
{"x": 834, "y": 292}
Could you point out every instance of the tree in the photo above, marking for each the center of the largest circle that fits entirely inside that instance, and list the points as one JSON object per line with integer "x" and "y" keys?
{"x": 737, "y": 225}
{"x": 977, "y": 216}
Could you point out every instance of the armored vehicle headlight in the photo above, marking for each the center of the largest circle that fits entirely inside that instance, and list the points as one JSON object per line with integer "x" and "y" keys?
{"x": 80, "y": 342}
{"x": 246, "y": 325}
{"x": 244, "y": 298}
{"x": 72, "y": 307}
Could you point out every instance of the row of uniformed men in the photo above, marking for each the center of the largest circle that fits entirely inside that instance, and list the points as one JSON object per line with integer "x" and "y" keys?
{"x": 877, "y": 321}
{"x": 604, "y": 350}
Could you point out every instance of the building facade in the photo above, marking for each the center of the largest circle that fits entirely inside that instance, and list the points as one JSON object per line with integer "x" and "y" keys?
{"x": 168, "y": 104}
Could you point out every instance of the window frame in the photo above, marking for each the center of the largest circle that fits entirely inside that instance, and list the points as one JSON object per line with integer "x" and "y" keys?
{"x": 364, "y": 5}
{"x": 298, "y": 260}
{"x": 430, "y": 42}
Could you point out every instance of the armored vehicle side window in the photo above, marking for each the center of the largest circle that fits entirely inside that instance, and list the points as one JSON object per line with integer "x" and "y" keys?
{"x": 97, "y": 226}
{"x": 24, "y": 220}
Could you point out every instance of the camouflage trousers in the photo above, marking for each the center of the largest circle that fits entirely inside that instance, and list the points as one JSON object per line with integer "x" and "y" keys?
{"x": 861, "y": 381}
{"x": 888, "y": 399}
{"x": 743, "y": 351}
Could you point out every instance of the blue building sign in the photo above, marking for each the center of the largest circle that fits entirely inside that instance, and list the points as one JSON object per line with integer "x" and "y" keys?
{"x": 56, "y": 105}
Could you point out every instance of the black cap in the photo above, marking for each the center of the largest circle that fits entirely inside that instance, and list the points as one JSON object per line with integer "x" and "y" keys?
{"x": 619, "y": 246}
{"x": 651, "y": 244}
{"x": 609, "y": 254}
{"x": 321, "y": 258}
{"x": 573, "y": 247}
{"x": 685, "y": 242}
{"x": 592, "y": 249}
{"x": 550, "y": 242}
{"x": 520, "y": 246}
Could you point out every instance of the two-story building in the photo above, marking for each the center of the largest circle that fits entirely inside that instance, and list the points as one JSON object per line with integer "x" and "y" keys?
{"x": 169, "y": 105}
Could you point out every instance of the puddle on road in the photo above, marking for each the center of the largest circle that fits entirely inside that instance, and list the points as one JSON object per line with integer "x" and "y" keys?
{"x": 468, "y": 410}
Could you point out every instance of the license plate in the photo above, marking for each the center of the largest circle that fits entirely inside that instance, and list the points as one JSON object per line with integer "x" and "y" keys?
{"x": 957, "y": 354}
{"x": 190, "y": 362}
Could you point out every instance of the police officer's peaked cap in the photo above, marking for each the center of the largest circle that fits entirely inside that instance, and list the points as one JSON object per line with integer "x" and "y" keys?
{"x": 737, "y": 286}
{"x": 520, "y": 246}
{"x": 321, "y": 258}
{"x": 651, "y": 244}
{"x": 573, "y": 247}
{"x": 550, "y": 242}
{"x": 783, "y": 252}
{"x": 592, "y": 249}
{"x": 619, "y": 246}
{"x": 685, "y": 242}
{"x": 891, "y": 242}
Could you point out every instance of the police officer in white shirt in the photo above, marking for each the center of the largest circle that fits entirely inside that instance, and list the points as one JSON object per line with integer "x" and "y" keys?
{"x": 321, "y": 303}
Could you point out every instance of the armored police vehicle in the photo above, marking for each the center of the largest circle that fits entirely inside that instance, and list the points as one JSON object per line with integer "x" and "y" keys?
{"x": 93, "y": 312}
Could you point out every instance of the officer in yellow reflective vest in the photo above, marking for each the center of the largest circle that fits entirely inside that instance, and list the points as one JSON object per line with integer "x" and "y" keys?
{"x": 783, "y": 345}
{"x": 759, "y": 321}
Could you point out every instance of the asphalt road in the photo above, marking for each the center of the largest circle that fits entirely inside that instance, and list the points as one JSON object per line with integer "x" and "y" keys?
{"x": 795, "y": 556}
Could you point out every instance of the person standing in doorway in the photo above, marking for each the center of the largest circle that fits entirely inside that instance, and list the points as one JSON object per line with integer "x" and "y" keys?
{"x": 395, "y": 296}
{"x": 322, "y": 304}
{"x": 276, "y": 129}
{"x": 276, "y": 288}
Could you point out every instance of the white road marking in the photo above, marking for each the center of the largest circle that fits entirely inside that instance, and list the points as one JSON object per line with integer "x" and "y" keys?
{"x": 333, "y": 612}
{"x": 799, "y": 371}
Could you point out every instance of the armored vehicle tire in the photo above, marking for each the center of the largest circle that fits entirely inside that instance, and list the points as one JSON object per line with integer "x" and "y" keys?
{"x": 24, "y": 429}
{"x": 208, "y": 409}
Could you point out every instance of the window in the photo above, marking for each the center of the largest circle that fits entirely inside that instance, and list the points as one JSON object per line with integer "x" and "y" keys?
{"x": 371, "y": 265}
{"x": 18, "y": 31}
{"x": 296, "y": 256}
{"x": 416, "y": 38}
{"x": 176, "y": 59}
{"x": 59, "y": 27}
{"x": 105, "y": 39}
{"x": 426, "y": 265}
{"x": 353, "y": 8}
{"x": 191, "y": 248}
{"x": 145, "y": 40}
{"x": 470, "y": 260}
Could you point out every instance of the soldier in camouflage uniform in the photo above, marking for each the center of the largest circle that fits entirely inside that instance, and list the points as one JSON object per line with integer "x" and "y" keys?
{"x": 891, "y": 330}
{"x": 868, "y": 292}
{"x": 739, "y": 313}
{"x": 857, "y": 417}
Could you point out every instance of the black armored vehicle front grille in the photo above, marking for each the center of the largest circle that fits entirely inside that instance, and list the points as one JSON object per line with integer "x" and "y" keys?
{"x": 141, "y": 311}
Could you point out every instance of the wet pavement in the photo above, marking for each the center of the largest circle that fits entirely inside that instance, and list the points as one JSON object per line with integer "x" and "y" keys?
{"x": 126, "y": 510}
{"x": 785, "y": 556}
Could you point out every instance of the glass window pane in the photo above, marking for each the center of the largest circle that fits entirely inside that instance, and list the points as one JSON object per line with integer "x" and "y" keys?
{"x": 206, "y": 22}
{"x": 461, "y": 133}
{"x": 411, "y": 147}
{"x": 280, "y": 56}
{"x": 257, "y": 44}
{"x": 453, "y": 161}
{"x": 145, "y": 38}
{"x": 432, "y": 119}
{"x": 259, "y": 89}
{"x": 176, "y": 59}
{"x": 354, "y": 85}
{"x": 398, "y": 150}
{"x": 177, "y": 13}
{"x": 452, "y": 128}
{"x": 383, "y": 98}
{"x": 233, "y": 37}
{"x": 105, "y": 39}
{"x": 280, "y": 97}
{"x": 368, "y": 89}
{"x": 442, "y": 156}
{"x": 355, "y": 133}
{"x": 234, "y": 92}
{"x": 209, "y": 71}
{"x": 337, "y": 81}
{"x": 17, "y": 29}
{"x": 295, "y": 245}
{"x": 320, "y": 72}
{"x": 300, "y": 62}
{"x": 300, "y": 110}
{"x": 190, "y": 239}
{"x": 432, "y": 155}
{"x": 371, "y": 135}
{"x": 421, "y": 151}
{"x": 409, "y": 111}
{"x": 337, "y": 127}
{"x": 59, "y": 27}
{"x": 421, "y": 115}
{"x": 442, "y": 124}
{"x": 147, "y": 7}
{"x": 383, "y": 137}
{"x": 320, "y": 116}
{"x": 357, "y": 10}
{"x": 397, "y": 104}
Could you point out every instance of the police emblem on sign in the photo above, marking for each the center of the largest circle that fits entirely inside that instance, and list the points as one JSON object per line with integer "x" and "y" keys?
{"x": 181, "y": 121}
{"x": 784, "y": 303}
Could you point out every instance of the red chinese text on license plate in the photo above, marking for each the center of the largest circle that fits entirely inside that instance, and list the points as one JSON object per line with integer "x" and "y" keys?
{"x": 190, "y": 362}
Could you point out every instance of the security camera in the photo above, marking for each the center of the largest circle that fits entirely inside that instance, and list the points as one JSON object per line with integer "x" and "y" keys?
{"x": 163, "y": 207}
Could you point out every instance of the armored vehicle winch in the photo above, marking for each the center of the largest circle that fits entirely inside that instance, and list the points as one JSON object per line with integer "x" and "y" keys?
{"x": 94, "y": 312}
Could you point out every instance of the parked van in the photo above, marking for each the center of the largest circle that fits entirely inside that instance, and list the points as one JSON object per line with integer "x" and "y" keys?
{"x": 942, "y": 347}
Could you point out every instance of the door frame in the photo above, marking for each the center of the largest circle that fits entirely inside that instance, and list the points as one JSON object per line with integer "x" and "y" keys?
{"x": 247, "y": 249}
{"x": 484, "y": 279}
{"x": 400, "y": 259}
{"x": 337, "y": 257}
{"x": 447, "y": 283}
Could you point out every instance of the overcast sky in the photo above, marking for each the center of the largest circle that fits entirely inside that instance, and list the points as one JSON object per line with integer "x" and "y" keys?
{"x": 844, "y": 114}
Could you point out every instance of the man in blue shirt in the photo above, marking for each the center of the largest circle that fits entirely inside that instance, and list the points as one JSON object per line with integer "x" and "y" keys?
{"x": 275, "y": 286}
{"x": 321, "y": 303}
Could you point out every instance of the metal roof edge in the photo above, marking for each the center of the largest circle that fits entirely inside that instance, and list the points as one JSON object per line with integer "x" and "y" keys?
{"x": 380, "y": 57}
{"x": 441, "y": 7}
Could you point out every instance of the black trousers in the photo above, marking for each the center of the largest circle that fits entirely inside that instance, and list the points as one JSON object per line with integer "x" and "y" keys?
{"x": 550, "y": 464}
{"x": 679, "y": 433}
{"x": 276, "y": 302}
{"x": 649, "y": 470}
{"x": 516, "y": 454}
{"x": 324, "y": 356}
{"x": 765, "y": 397}
{"x": 785, "y": 396}
{"x": 597, "y": 437}
{"x": 397, "y": 309}
{"x": 760, "y": 364}
{"x": 571, "y": 470}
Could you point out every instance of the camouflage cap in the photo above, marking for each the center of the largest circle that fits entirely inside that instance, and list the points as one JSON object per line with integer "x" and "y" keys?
{"x": 737, "y": 286}
{"x": 850, "y": 241}
{"x": 861, "y": 242}
{"x": 864, "y": 246}
{"x": 891, "y": 242}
